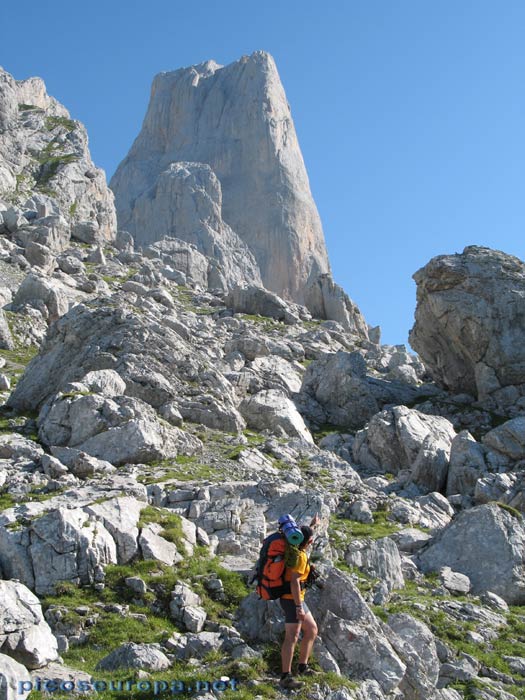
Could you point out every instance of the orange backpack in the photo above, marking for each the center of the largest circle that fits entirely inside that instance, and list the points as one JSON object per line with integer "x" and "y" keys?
{"x": 271, "y": 567}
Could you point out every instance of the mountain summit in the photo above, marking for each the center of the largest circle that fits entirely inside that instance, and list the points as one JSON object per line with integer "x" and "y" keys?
{"x": 236, "y": 120}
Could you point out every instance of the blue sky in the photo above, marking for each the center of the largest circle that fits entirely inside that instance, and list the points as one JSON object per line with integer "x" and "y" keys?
{"x": 410, "y": 113}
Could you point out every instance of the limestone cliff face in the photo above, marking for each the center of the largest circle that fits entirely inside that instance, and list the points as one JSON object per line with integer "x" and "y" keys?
{"x": 235, "y": 119}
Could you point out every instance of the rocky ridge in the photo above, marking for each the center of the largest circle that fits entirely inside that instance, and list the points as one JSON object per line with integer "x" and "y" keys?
{"x": 155, "y": 427}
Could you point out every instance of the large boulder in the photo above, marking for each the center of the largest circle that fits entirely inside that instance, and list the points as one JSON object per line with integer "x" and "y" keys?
{"x": 403, "y": 438}
{"x": 352, "y": 634}
{"x": 250, "y": 299}
{"x": 467, "y": 464}
{"x": 24, "y": 634}
{"x": 6, "y": 339}
{"x": 337, "y": 389}
{"x": 147, "y": 657}
{"x": 119, "y": 430}
{"x": 250, "y": 144}
{"x": 415, "y": 644}
{"x": 508, "y": 439}
{"x": 272, "y": 410}
{"x": 183, "y": 258}
{"x": 487, "y": 544}
{"x": 37, "y": 289}
{"x": 378, "y": 559}
{"x": 15, "y": 681}
{"x": 469, "y": 323}
{"x": 120, "y": 517}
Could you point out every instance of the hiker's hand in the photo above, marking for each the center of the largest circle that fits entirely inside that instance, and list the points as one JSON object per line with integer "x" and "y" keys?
{"x": 315, "y": 520}
{"x": 299, "y": 611}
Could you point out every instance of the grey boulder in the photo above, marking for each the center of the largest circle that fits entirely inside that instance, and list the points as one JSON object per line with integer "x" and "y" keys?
{"x": 352, "y": 634}
{"x": 414, "y": 642}
{"x": 259, "y": 301}
{"x": 403, "y": 438}
{"x": 378, "y": 559}
{"x": 62, "y": 545}
{"x": 487, "y": 544}
{"x": 147, "y": 657}
{"x": 344, "y": 394}
{"x": 6, "y": 339}
{"x": 24, "y": 634}
{"x": 272, "y": 410}
{"x": 118, "y": 430}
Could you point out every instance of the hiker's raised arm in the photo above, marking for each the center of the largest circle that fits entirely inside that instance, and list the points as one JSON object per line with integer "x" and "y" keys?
{"x": 315, "y": 520}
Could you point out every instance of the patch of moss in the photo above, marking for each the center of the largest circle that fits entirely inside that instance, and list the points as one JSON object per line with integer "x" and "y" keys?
{"x": 515, "y": 513}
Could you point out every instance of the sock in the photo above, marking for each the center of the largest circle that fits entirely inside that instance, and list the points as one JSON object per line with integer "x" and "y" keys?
{"x": 283, "y": 675}
{"x": 302, "y": 667}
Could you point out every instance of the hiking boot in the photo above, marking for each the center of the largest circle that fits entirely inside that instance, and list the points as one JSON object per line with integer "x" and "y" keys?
{"x": 288, "y": 682}
{"x": 307, "y": 671}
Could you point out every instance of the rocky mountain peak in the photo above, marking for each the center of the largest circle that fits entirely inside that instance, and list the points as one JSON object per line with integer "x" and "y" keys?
{"x": 236, "y": 119}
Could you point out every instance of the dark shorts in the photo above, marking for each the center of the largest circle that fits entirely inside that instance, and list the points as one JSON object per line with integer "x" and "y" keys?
{"x": 290, "y": 613}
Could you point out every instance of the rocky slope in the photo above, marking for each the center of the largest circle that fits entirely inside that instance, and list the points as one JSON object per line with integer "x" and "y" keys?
{"x": 153, "y": 429}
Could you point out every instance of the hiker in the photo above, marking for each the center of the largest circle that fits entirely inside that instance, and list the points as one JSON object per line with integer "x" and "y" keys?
{"x": 297, "y": 615}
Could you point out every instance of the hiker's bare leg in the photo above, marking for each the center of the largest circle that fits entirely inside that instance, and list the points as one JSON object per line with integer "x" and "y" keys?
{"x": 309, "y": 628}
{"x": 291, "y": 635}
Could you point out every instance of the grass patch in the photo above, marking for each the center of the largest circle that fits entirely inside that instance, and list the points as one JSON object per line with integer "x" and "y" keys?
{"x": 268, "y": 324}
{"x": 342, "y": 530}
{"x": 6, "y": 501}
{"x": 17, "y": 360}
{"x": 170, "y": 522}
{"x": 324, "y": 430}
{"x": 63, "y": 122}
{"x": 182, "y": 468}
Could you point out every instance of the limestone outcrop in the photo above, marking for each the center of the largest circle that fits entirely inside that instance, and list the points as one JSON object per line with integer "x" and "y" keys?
{"x": 229, "y": 125}
{"x": 469, "y": 324}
